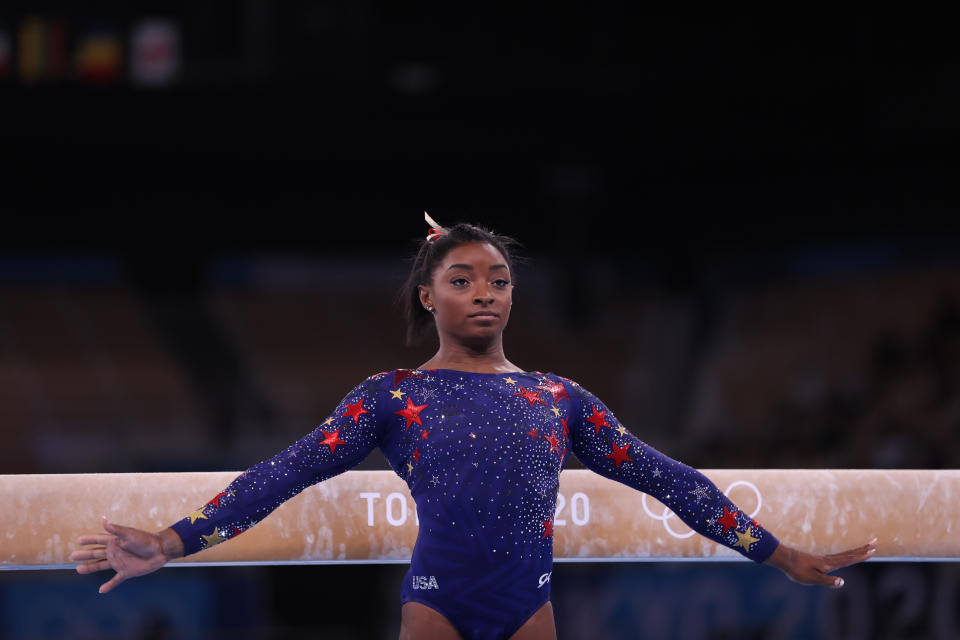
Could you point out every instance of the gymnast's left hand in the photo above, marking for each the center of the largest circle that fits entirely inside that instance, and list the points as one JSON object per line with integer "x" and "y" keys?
{"x": 814, "y": 569}
{"x": 129, "y": 551}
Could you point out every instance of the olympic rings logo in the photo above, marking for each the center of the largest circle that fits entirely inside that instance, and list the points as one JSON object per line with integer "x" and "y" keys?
{"x": 667, "y": 514}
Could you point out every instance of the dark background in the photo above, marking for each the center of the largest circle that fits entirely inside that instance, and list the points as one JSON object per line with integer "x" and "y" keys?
{"x": 325, "y": 116}
{"x": 221, "y": 253}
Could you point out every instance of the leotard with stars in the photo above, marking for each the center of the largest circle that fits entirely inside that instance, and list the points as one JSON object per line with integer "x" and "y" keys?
{"x": 481, "y": 454}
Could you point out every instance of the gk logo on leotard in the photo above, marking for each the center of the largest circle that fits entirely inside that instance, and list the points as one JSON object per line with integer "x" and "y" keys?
{"x": 425, "y": 582}
{"x": 544, "y": 579}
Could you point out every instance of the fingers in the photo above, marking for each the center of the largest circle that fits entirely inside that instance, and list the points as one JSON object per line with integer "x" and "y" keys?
{"x": 93, "y": 567}
{"x": 817, "y": 573}
{"x": 110, "y": 584}
{"x": 852, "y": 556}
{"x": 89, "y": 554}
{"x": 834, "y": 561}
{"x": 115, "y": 529}
{"x": 834, "y": 582}
{"x": 868, "y": 548}
{"x": 816, "y": 576}
{"x": 815, "y": 569}
{"x": 131, "y": 539}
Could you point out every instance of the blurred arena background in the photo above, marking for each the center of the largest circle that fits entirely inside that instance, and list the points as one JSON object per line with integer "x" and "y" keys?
{"x": 741, "y": 233}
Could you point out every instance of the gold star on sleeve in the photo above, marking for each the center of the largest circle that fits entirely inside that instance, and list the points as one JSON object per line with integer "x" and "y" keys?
{"x": 556, "y": 411}
{"x": 621, "y": 430}
{"x": 510, "y": 381}
{"x": 214, "y": 538}
{"x": 196, "y": 515}
{"x": 397, "y": 394}
{"x": 745, "y": 539}
{"x": 328, "y": 421}
{"x": 409, "y": 468}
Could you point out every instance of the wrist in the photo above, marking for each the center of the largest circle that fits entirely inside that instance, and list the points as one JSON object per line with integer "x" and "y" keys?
{"x": 170, "y": 543}
{"x": 783, "y": 558}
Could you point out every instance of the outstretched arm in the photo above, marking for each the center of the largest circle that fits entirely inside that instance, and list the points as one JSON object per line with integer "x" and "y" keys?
{"x": 342, "y": 441}
{"x": 606, "y": 447}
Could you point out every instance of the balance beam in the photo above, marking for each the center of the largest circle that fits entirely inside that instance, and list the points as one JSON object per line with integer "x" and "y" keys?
{"x": 369, "y": 516}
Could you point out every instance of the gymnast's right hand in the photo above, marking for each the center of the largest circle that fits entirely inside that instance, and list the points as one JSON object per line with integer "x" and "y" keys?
{"x": 128, "y": 551}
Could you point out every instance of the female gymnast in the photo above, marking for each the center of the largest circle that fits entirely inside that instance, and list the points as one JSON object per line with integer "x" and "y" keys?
{"x": 480, "y": 442}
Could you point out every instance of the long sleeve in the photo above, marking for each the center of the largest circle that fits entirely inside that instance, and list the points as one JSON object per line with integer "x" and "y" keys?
{"x": 603, "y": 445}
{"x": 351, "y": 432}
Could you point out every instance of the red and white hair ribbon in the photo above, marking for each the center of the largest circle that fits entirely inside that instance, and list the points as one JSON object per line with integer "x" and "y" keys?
{"x": 435, "y": 229}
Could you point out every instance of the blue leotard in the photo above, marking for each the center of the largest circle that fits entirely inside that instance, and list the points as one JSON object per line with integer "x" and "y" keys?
{"x": 482, "y": 454}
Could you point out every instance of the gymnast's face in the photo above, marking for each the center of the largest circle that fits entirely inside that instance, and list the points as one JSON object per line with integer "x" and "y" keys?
{"x": 471, "y": 293}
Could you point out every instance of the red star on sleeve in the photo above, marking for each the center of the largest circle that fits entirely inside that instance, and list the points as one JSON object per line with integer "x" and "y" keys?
{"x": 354, "y": 411}
{"x": 556, "y": 389}
{"x": 237, "y": 532}
{"x": 533, "y": 433}
{"x": 424, "y": 434}
{"x": 598, "y": 419}
{"x": 728, "y": 521}
{"x": 332, "y": 439}
{"x": 619, "y": 454}
{"x": 547, "y": 529}
{"x": 416, "y": 455}
{"x": 412, "y": 412}
{"x": 552, "y": 439}
{"x": 532, "y": 397}
{"x": 566, "y": 431}
{"x": 216, "y": 498}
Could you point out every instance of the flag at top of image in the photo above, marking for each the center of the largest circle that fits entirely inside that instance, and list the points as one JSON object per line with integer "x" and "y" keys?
{"x": 155, "y": 52}
{"x": 98, "y": 55}
{"x": 5, "y": 51}
{"x": 41, "y": 49}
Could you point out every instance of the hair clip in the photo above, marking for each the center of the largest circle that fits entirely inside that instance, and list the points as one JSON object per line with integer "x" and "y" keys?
{"x": 435, "y": 229}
